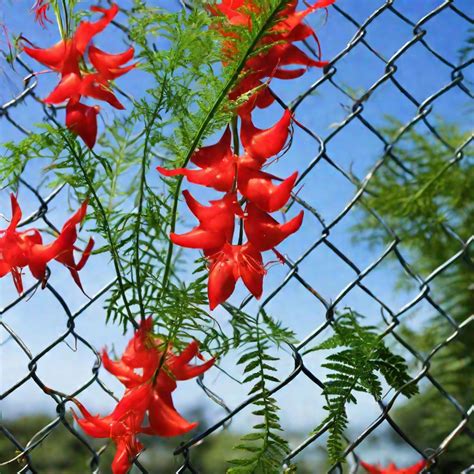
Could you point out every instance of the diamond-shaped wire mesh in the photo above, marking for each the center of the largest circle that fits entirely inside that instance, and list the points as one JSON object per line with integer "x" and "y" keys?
{"x": 372, "y": 72}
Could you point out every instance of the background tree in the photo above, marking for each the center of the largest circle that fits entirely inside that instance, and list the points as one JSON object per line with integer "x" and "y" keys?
{"x": 424, "y": 195}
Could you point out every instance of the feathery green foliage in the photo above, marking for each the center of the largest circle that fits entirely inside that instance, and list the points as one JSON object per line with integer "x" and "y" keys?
{"x": 358, "y": 360}
{"x": 264, "y": 448}
{"x": 429, "y": 203}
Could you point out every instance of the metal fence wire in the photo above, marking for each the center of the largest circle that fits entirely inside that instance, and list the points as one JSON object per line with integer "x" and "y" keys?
{"x": 357, "y": 112}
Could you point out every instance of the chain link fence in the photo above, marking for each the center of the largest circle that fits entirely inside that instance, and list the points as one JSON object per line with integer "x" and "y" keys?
{"x": 366, "y": 79}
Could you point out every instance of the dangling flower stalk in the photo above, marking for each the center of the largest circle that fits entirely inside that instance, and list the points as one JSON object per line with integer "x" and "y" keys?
{"x": 224, "y": 169}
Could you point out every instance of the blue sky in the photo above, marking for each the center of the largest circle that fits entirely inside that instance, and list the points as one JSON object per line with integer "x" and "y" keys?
{"x": 40, "y": 319}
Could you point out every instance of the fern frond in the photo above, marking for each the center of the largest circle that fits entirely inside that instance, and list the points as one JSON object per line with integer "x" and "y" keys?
{"x": 361, "y": 357}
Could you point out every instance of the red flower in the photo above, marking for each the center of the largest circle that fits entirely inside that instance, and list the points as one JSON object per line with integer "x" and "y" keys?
{"x": 64, "y": 245}
{"x": 216, "y": 223}
{"x": 26, "y": 249}
{"x": 41, "y": 8}
{"x": 229, "y": 264}
{"x": 66, "y": 58}
{"x": 257, "y": 186}
{"x": 261, "y": 144}
{"x": 392, "y": 469}
{"x": 147, "y": 362}
{"x": 65, "y": 55}
{"x": 217, "y": 163}
{"x": 149, "y": 370}
{"x": 264, "y": 232}
{"x": 121, "y": 426}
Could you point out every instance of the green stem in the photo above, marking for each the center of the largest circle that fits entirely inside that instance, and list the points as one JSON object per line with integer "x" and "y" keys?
{"x": 235, "y": 136}
{"x": 59, "y": 20}
{"x": 113, "y": 250}
{"x": 141, "y": 193}
{"x": 264, "y": 390}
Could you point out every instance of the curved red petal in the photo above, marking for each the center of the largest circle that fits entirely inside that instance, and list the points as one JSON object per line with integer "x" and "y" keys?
{"x": 264, "y": 232}
{"x": 82, "y": 120}
{"x": 78, "y": 216}
{"x": 109, "y": 65}
{"x": 198, "y": 239}
{"x": 188, "y": 371}
{"x": 16, "y": 214}
{"x": 122, "y": 461}
{"x": 87, "y": 30}
{"x": 165, "y": 420}
{"x": 251, "y": 269}
{"x": 96, "y": 87}
{"x": 209, "y": 156}
{"x": 123, "y": 372}
{"x": 68, "y": 88}
{"x": 264, "y": 143}
{"x": 222, "y": 281}
{"x": 51, "y": 57}
{"x": 289, "y": 73}
{"x": 257, "y": 186}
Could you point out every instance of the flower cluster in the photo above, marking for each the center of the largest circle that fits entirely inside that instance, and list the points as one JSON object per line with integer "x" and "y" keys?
{"x": 149, "y": 370}
{"x": 78, "y": 80}
{"x": 26, "y": 249}
{"x": 244, "y": 178}
{"x": 222, "y": 170}
{"x": 392, "y": 469}
{"x": 277, "y": 45}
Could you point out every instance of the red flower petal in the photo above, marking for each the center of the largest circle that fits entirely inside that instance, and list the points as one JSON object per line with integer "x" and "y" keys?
{"x": 165, "y": 420}
{"x": 87, "y": 30}
{"x": 264, "y": 143}
{"x": 109, "y": 65}
{"x": 228, "y": 265}
{"x": 82, "y": 120}
{"x": 51, "y": 57}
{"x": 216, "y": 223}
{"x": 257, "y": 187}
{"x": 16, "y": 213}
{"x": 217, "y": 163}
{"x": 95, "y": 86}
{"x": 251, "y": 269}
{"x": 222, "y": 277}
{"x": 123, "y": 372}
{"x": 264, "y": 232}
{"x": 180, "y": 367}
{"x": 68, "y": 88}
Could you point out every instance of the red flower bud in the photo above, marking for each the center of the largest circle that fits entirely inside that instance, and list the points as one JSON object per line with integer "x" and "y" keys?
{"x": 82, "y": 120}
